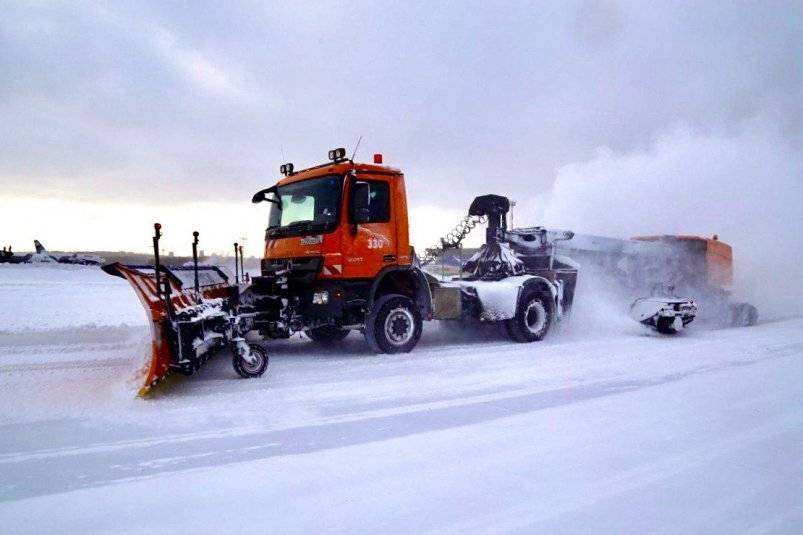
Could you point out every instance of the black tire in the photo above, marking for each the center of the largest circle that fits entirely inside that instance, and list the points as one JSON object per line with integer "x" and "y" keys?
{"x": 247, "y": 370}
{"x": 743, "y": 315}
{"x": 532, "y": 320}
{"x": 665, "y": 325}
{"x": 326, "y": 335}
{"x": 394, "y": 325}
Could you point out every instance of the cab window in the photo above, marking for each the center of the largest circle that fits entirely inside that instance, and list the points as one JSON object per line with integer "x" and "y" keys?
{"x": 379, "y": 208}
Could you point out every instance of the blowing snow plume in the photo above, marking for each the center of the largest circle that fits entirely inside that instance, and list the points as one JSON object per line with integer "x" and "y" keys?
{"x": 745, "y": 187}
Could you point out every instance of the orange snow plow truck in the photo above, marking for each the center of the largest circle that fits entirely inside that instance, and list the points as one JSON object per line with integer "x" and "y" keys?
{"x": 338, "y": 259}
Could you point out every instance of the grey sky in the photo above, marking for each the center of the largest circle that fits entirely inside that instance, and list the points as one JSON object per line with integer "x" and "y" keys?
{"x": 186, "y": 101}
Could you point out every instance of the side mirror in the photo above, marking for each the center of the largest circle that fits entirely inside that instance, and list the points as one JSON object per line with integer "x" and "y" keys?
{"x": 262, "y": 195}
{"x": 360, "y": 202}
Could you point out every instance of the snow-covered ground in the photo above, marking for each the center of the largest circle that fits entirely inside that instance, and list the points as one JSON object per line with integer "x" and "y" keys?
{"x": 54, "y": 296}
{"x": 604, "y": 427}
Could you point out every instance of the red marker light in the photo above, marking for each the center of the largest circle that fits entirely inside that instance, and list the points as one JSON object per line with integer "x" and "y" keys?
{"x": 377, "y": 158}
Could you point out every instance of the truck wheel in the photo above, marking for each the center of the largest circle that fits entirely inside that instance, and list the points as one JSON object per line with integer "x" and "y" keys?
{"x": 532, "y": 320}
{"x": 326, "y": 335}
{"x": 250, "y": 370}
{"x": 394, "y": 325}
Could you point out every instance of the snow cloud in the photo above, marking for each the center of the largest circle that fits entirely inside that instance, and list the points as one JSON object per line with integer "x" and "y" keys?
{"x": 745, "y": 186}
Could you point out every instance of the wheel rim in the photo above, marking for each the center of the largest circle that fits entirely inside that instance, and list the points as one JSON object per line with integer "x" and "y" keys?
{"x": 259, "y": 360}
{"x": 399, "y": 326}
{"x": 535, "y": 317}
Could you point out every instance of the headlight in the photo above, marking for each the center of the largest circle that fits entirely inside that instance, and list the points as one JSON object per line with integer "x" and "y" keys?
{"x": 320, "y": 298}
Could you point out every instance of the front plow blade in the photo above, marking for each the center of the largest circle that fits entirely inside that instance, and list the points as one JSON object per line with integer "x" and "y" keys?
{"x": 186, "y": 327}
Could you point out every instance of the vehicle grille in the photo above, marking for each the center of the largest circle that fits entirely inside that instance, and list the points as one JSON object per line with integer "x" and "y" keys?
{"x": 294, "y": 265}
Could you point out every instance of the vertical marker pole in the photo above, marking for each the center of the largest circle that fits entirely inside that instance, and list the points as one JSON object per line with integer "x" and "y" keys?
{"x": 242, "y": 269}
{"x": 195, "y": 260}
{"x": 236, "y": 263}
{"x": 157, "y": 233}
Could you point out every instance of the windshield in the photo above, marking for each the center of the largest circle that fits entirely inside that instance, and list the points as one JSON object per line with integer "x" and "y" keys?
{"x": 308, "y": 206}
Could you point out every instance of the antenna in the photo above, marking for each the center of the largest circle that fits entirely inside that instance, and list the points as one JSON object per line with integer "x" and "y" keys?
{"x": 357, "y": 146}
{"x": 281, "y": 149}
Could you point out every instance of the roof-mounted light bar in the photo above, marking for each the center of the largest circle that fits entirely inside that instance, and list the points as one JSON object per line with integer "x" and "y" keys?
{"x": 286, "y": 169}
{"x": 337, "y": 155}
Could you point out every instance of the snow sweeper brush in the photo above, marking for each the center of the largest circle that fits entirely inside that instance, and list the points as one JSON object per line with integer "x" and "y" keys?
{"x": 193, "y": 315}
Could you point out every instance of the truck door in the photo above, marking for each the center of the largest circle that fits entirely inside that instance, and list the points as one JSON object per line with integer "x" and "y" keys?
{"x": 370, "y": 245}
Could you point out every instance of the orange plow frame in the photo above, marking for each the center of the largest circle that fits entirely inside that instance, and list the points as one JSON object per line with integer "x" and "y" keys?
{"x": 162, "y": 304}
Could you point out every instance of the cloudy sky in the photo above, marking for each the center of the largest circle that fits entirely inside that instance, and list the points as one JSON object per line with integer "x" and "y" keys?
{"x": 114, "y": 115}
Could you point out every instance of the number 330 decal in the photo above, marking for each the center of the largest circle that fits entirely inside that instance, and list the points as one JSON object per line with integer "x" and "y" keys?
{"x": 376, "y": 243}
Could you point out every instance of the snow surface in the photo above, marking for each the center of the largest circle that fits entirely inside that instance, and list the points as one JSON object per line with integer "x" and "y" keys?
{"x": 603, "y": 427}
{"x": 50, "y": 296}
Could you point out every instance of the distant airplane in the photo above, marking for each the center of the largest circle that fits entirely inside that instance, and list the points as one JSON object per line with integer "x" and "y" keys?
{"x": 7, "y": 257}
{"x": 70, "y": 258}
{"x": 43, "y": 255}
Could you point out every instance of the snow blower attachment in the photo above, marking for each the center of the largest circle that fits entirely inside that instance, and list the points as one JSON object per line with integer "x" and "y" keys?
{"x": 193, "y": 313}
{"x": 495, "y": 260}
{"x": 663, "y": 310}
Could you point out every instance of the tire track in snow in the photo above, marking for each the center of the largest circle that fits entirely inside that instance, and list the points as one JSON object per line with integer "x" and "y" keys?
{"x": 33, "y": 475}
{"x": 93, "y": 364}
{"x": 523, "y": 517}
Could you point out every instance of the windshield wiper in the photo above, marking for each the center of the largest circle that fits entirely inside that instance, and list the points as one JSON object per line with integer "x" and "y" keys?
{"x": 299, "y": 226}
{"x": 300, "y": 223}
